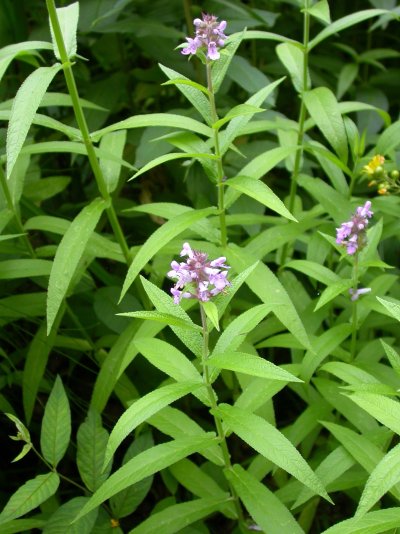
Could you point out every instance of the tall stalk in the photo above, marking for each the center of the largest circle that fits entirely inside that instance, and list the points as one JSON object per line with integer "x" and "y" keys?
{"x": 83, "y": 127}
{"x": 354, "y": 318}
{"x": 301, "y": 121}
{"x": 217, "y": 151}
{"x": 217, "y": 421}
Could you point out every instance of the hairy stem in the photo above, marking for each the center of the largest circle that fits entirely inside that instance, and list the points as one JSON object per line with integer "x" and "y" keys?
{"x": 301, "y": 121}
{"x": 218, "y": 423}
{"x": 217, "y": 150}
{"x": 83, "y": 127}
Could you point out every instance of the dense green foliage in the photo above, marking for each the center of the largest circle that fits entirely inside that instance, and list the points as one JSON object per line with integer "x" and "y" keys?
{"x": 273, "y": 406}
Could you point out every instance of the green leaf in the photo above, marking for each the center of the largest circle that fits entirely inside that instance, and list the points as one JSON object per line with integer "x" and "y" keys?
{"x": 191, "y": 90}
{"x": 292, "y": 58}
{"x": 165, "y": 304}
{"x": 25, "y": 104}
{"x": 264, "y": 507}
{"x": 237, "y": 111}
{"x": 160, "y": 238}
{"x": 175, "y": 518}
{"x": 13, "y": 269}
{"x": 261, "y": 192}
{"x": 69, "y": 253}
{"x": 385, "y": 475}
{"x": 92, "y": 440}
{"x": 56, "y": 425}
{"x": 220, "y": 67}
{"x": 314, "y": 270}
{"x": 29, "y": 496}
{"x": 35, "y": 365}
{"x": 272, "y": 444}
{"x": 236, "y": 125}
{"x": 156, "y": 119}
{"x": 389, "y": 139}
{"x": 68, "y": 19}
{"x": 323, "y": 108}
{"x": 320, "y": 11}
{"x": 346, "y": 22}
{"x": 385, "y": 410}
{"x": 22, "y": 525}
{"x": 392, "y": 307}
{"x": 144, "y": 408}
{"x": 323, "y": 346}
{"x": 375, "y": 522}
{"x": 126, "y": 501}
{"x": 392, "y": 355}
{"x": 113, "y": 142}
{"x": 249, "y": 364}
{"x": 270, "y": 291}
{"x": 160, "y": 317}
{"x": 145, "y": 464}
{"x": 333, "y": 291}
{"x": 171, "y": 157}
{"x": 60, "y": 521}
{"x": 211, "y": 311}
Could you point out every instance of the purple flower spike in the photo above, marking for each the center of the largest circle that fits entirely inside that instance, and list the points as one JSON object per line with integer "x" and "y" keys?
{"x": 352, "y": 234}
{"x": 209, "y": 36}
{"x": 197, "y": 277}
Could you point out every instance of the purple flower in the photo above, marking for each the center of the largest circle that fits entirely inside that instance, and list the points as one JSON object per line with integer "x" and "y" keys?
{"x": 352, "y": 234}
{"x": 209, "y": 36}
{"x": 355, "y": 293}
{"x": 197, "y": 277}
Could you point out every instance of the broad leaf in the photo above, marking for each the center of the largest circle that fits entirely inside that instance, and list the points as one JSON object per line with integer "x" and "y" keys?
{"x": 25, "y": 104}
{"x": 30, "y": 496}
{"x": 69, "y": 253}
{"x": 60, "y": 521}
{"x": 56, "y": 425}
{"x": 272, "y": 444}
{"x": 145, "y": 464}
{"x": 144, "y": 408}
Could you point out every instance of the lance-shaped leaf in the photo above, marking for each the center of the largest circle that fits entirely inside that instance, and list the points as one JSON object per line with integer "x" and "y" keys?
{"x": 25, "y": 105}
{"x": 159, "y": 238}
{"x": 56, "y": 425}
{"x": 114, "y": 143}
{"x": 392, "y": 307}
{"x": 29, "y": 496}
{"x": 144, "y": 408}
{"x": 170, "y": 157}
{"x": 178, "y": 516}
{"x": 145, "y": 464}
{"x": 385, "y": 475}
{"x": 323, "y": 108}
{"x": 68, "y": 255}
{"x": 68, "y": 20}
{"x": 60, "y": 521}
{"x": 292, "y": 58}
{"x": 260, "y": 192}
{"x": 272, "y": 444}
{"x": 384, "y": 409}
{"x": 160, "y": 317}
{"x": 249, "y": 364}
{"x": 265, "y": 508}
{"x": 372, "y": 523}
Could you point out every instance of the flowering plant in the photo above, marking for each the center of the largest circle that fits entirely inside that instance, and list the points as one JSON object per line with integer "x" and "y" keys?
{"x": 209, "y": 36}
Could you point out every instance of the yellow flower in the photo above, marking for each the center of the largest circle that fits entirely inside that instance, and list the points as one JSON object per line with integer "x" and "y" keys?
{"x": 376, "y": 161}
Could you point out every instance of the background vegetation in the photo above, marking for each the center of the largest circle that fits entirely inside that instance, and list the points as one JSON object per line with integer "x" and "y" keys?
{"x": 308, "y": 95}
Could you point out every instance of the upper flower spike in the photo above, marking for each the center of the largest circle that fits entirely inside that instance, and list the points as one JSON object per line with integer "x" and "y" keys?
{"x": 352, "y": 233}
{"x": 197, "y": 277}
{"x": 209, "y": 35}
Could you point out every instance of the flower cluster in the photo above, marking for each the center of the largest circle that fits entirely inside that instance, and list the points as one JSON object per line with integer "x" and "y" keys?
{"x": 209, "y": 35}
{"x": 375, "y": 165}
{"x": 352, "y": 234}
{"x": 196, "y": 277}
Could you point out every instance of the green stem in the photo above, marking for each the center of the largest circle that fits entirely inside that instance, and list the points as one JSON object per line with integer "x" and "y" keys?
{"x": 218, "y": 423}
{"x": 16, "y": 214}
{"x": 217, "y": 150}
{"x": 353, "y": 344}
{"x": 83, "y": 127}
{"x": 301, "y": 121}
